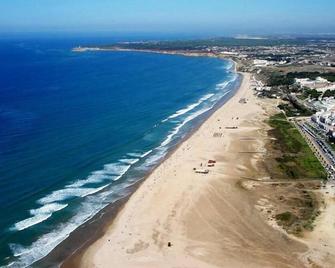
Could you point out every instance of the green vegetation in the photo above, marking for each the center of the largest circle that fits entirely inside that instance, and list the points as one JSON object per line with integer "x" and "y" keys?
{"x": 311, "y": 93}
{"x": 302, "y": 217}
{"x": 291, "y": 110}
{"x": 312, "y": 75}
{"x": 278, "y": 79}
{"x": 203, "y": 43}
{"x": 299, "y": 206}
{"x": 297, "y": 160}
{"x": 286, "y": 218}
{"x": 329, "y": 93}
{"x": 282, "y": 79}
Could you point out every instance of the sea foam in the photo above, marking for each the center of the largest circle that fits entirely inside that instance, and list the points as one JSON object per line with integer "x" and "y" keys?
{"x": 112, "y": 172}
{"x": 67, "y": 193}
{"x": 38, "y": 215}
{"x": 47, "y": 242}
{"x": 189, "y": 107}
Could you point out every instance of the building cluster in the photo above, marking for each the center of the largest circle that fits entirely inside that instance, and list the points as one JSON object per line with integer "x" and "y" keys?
{"x": 325, "y": 120}
{"x": 317, "y": 53}
{"x": 320, "y": 84}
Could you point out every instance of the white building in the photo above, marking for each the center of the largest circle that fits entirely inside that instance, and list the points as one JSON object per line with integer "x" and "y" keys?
{"x": 262, "y": 63}
{"x": 319, "y": 83}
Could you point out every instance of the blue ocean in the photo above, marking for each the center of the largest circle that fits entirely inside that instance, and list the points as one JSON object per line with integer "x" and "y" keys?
{"x": 77, "y": 129}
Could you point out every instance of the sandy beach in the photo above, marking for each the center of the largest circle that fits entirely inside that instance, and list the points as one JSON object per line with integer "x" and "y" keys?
{"x": 178, "y": 218}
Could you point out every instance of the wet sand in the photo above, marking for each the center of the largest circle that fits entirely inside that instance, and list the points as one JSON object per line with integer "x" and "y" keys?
{"x": 178, "y": 218}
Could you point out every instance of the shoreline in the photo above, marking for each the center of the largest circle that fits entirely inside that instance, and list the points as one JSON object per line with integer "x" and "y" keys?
{"x": 185, "y": 53}
{"x": 73, "y": 259}
{"x": 149, "y": 248}
{"x": 69, "y": 250}
{"x": 290, "y": 251}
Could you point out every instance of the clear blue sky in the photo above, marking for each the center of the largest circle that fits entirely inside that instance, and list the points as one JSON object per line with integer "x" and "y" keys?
{"x": 203, "y": 16}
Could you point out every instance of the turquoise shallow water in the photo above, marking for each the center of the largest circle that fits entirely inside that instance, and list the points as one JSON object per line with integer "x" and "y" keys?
{"x": 77, "y": 128}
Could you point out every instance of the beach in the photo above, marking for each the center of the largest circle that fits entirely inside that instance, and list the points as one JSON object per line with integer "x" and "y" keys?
{"x": 179, "y": 218}
{"x": 143, "y": 106}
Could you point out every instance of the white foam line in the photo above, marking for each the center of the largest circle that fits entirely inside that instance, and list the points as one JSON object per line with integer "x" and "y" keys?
{"x": 110, "y": 171}
{"x": 146, "y": 153}
{"x": 95, "y": 177}
{"x": 161, "y": 152}
{"x": 187, "y": 119}
{"x": 48, "y": 208}
{"x": 224, "y": 84}
{"x": 116, "y": 169}
{"x": 67, "y": 193}
{"x": 139, "y": 155}
{"x": 229, "y": 66}
{"x": 129, "y": 161}
{"x": 188, "y": 108}
{"x": 21, "y": 225}
{"x": 47, "y": 242}
{"x": 219, "y": 86}
{"x": 135, "y": 155}
{"x": 39, "y": 215}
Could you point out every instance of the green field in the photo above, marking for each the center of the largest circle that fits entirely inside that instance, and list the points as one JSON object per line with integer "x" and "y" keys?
{"x": 297, "y": 160}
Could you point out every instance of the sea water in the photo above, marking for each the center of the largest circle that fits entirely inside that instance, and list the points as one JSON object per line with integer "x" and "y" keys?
{"x": 77, "y": 129}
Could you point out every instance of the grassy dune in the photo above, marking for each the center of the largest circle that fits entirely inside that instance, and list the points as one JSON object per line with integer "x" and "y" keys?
{"x": 297, "y": 160}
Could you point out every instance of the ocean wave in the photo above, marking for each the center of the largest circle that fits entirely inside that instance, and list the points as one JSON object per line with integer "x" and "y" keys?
{"x": 17, "y": 250}
{"x": 161, "y": 150}
{"x": 175, "y": 131}
{"x": 213, "y": 100}
{"x": 135, "y": 155}
{"x": 67, "y": 193}
{"x": 38, "y": 215}
{"x": 139, "y": 155}
{"x": 229, "y": 66}
{"x": 112, "y": 172}
{"x": 21, "y": 225}
{"x": 116, "y": 169}
{"x": 146, "y": 153}
{"x": 47, "y": 242}
{"x": 129, "y": 161}
{"x": 189, "y": 107}
{"x": 152, "y": 160}
{"x": 219, "y": 86}
{"x": 95, "y": 177}
{"x": 223, "y": 85}
{"x": 48, "y": 208}
{"x": 109, "y": 172}
{"x": 218, "y": 97}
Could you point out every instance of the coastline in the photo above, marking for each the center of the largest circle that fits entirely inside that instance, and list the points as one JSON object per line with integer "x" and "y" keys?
{"x": 134, "y": 240}
{"x": 69, "y": 251}
{"x": 109, "y": 214}
{"x": 185, "y": 53}
{"x": 173, "y": 196}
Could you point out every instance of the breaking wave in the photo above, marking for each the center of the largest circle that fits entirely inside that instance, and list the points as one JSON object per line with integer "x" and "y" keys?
{"x": 96, "y": 197}
{"x": 38, "y": 215}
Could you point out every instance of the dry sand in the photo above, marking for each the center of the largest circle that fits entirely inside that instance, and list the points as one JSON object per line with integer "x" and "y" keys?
{"x": 210, "y": 220}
